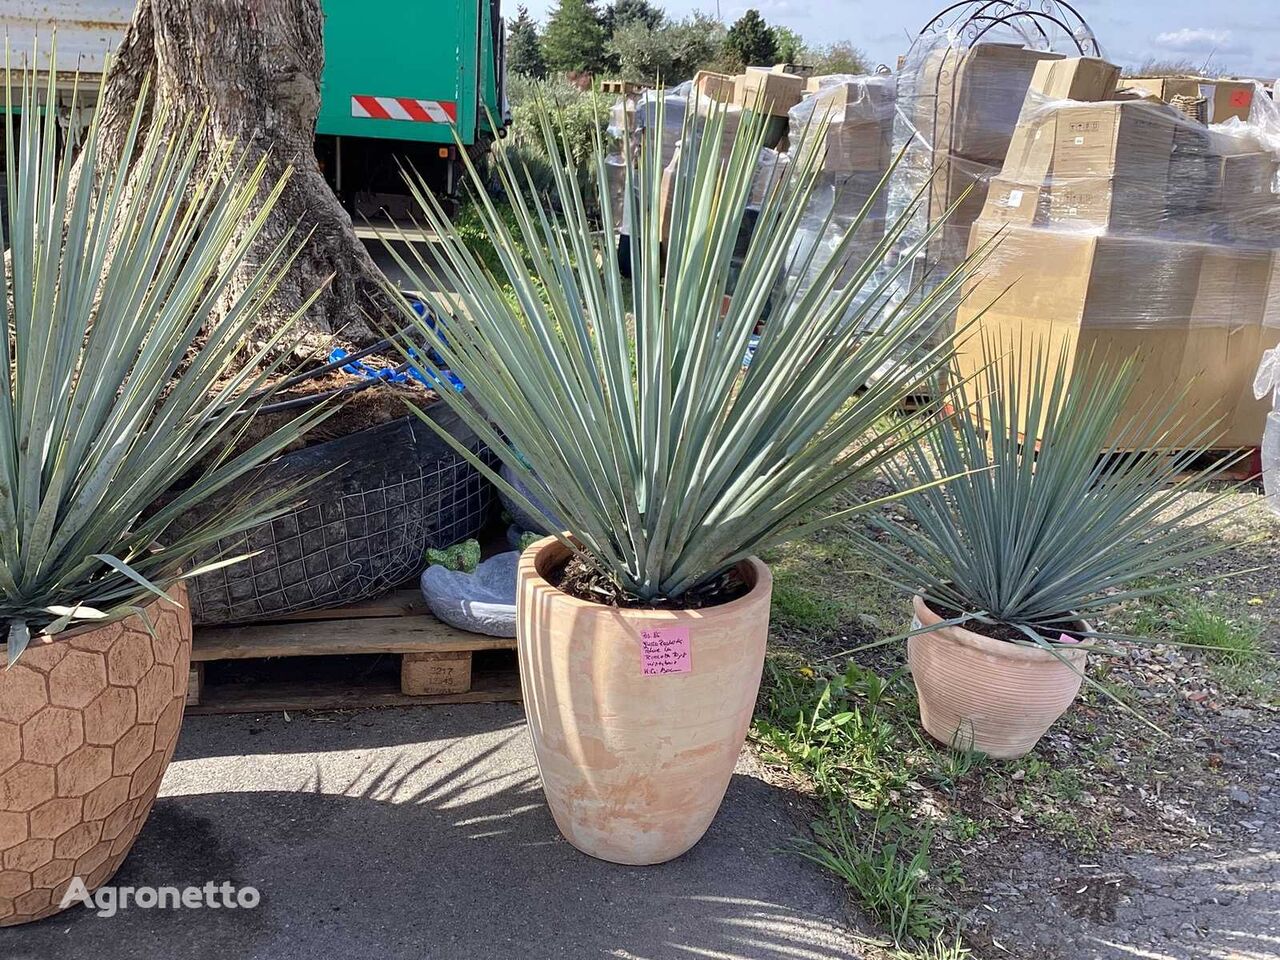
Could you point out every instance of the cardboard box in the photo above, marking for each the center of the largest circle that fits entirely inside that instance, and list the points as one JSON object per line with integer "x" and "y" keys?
{"x": 1109, "y": 139}
{"x": 1192, "y": 312}
{"x": 859, "y": 134}
{"x": 775, "y": 92}
{"x": 1227, "y": 98}
{"x": 1075, "y": 78}
{"x": 1163, "y": 88}
{"x": 1113, "y": 139}
{"x": 1117, "y": 203}
{"x": 1012, "y": 201}
{"x": 967, "y": 101}
{"x": 715, "y": 86}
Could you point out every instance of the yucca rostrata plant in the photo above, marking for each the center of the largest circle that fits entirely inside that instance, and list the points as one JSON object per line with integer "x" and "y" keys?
{"x": 120, "y": 378}
{"x": 624, "y": 405}
{"x": 119, "y": 407}
{"x": 1030, "y": 539}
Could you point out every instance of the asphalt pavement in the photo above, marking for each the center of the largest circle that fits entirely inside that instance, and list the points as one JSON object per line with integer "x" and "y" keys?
{"x": 422, "y": 833}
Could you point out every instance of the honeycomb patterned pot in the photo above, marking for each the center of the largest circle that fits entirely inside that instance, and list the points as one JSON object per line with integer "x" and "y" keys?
{"x": 88, "y": 723}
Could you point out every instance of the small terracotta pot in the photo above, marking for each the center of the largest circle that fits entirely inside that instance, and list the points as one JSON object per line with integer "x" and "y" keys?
{"x": 88, "y": 723}
{"x": 988, "y": 695}
{"x": 634, "y": 765}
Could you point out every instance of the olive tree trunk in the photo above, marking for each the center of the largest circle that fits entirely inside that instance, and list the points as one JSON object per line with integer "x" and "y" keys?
{"x": 254, "y": 66}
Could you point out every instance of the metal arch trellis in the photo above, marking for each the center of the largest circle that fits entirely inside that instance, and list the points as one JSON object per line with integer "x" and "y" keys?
{"x": 1048, "y": 25}
{"x": 971, "y": 19}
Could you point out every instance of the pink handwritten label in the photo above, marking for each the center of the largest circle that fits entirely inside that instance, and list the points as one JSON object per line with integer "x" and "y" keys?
{"x": 664, "y": 650}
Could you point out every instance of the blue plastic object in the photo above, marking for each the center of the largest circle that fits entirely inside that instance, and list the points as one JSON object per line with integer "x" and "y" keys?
{"x": 358, "y": 368}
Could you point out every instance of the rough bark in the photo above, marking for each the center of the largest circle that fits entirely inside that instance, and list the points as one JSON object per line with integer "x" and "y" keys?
{"x": 254, "y": 66}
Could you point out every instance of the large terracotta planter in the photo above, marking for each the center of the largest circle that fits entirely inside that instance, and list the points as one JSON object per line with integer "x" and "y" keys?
{"x": 88, "y": 722}
{"x": 634, "y": 766}
{"x": 988, "y": 695}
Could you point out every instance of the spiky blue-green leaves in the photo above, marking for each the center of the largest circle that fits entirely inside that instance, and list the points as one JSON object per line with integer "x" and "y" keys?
{"x": 1039, "y": 536}
{"x": 121, "y": 395}
{"x": 623, "y": 403}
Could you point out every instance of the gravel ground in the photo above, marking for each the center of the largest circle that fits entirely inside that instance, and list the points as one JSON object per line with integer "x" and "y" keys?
{"x": 1168, "y": 848}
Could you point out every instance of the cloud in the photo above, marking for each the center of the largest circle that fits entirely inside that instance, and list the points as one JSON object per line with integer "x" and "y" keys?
{"x": 1199, "y": 39}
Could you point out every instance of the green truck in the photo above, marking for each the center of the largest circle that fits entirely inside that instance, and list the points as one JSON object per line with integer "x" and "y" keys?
{"x": 398, "y": 76}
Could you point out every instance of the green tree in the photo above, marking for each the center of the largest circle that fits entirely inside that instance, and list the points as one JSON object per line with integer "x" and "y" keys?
{"x": 841, "y": 57}
{"x": 697, "y": 42}
{"x": 669, "y": 53}
{"x": 574, "y": 39}
{"x": 623, "y": 13}
{"x": 641, "y": 54}
{"x": 524, "y": 49}
{"x": 790, "y": 46}
{"x": 751, "y": 40}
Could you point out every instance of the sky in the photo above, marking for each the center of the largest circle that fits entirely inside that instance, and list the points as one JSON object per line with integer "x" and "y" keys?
{"x": 1235, "y": 36}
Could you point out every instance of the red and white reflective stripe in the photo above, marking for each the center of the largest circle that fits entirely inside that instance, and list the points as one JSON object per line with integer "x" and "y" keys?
{"x": 404, "y": 108}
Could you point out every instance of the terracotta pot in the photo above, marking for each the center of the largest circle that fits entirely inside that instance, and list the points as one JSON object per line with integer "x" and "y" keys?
{"x": 634, "y": 765}
{"x": 988, "y": 695}
{"x": 88, "y": 722}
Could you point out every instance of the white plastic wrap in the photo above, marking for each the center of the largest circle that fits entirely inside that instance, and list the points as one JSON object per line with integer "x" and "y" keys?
{"x": 1126, "y": 227}
{"x": 1266, "y": 387}
{"x": 675, "y": 102}
{"x": 857, "y": 145}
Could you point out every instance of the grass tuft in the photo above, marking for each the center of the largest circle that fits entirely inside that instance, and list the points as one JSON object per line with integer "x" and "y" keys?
{"x": 886, "y": 868}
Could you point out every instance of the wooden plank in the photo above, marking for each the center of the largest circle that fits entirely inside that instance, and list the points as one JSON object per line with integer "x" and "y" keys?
{"x": 315, "y": 638}
{"x": 397, "y": 603}
{"x": 270, "y": 698}
{"x": 422, "y": 674}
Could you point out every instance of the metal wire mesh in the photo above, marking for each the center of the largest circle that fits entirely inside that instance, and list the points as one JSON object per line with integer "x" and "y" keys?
{"x": 360, "y": 532}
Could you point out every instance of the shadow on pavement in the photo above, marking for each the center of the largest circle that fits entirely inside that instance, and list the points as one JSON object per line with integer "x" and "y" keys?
{"x": 367, "y": 843}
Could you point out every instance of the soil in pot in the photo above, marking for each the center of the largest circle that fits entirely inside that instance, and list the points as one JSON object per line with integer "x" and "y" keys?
{"x": 637, "y": 715}
{"x": 986, "y": 694}
{"x": 579, "y": 578}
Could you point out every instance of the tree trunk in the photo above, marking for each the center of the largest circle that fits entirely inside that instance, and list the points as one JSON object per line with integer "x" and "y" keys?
{"x": 254, "y": 66}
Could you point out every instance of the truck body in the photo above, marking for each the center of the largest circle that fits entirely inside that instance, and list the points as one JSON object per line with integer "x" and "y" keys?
{"x": 399, "y": 77}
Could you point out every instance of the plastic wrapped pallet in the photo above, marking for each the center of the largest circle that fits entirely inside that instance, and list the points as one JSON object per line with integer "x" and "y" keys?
{"x": 675, "y": 101}
{"x": 856, "y": 145}
{"x": 1126, "y": 227}
{"x": 956, "y": 112}
{"x": 1266, "y": 388}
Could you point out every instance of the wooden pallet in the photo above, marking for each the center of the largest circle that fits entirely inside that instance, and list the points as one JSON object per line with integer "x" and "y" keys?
{"x": 435, "y": 660}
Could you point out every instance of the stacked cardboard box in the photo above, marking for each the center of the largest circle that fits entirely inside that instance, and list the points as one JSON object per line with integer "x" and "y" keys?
{"x": 1226, "y": 98}
{"x": 772, "y": 92}
{"x": 1122, "y": 228}
{"x": 849, "y": 120}
{"x": 963, "y": 106}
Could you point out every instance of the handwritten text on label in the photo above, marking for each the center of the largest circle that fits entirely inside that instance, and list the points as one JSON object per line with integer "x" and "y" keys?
{"x": 664, "y": 650}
